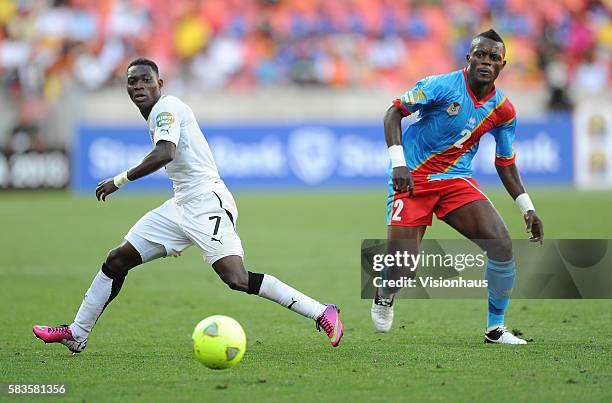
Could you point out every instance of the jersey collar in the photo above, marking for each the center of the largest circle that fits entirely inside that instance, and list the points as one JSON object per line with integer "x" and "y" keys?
{"x": 160, "y": 98}
{"x": 477, "y": 103}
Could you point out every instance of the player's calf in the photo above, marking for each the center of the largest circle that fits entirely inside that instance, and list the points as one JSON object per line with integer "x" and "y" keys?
{"x": 103, "y": 289}
{"x": 500, "y": 277}
{"x": 232, "y": 272}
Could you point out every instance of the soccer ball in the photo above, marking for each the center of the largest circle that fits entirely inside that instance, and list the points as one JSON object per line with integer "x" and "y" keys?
{"x": 219, "y": 342}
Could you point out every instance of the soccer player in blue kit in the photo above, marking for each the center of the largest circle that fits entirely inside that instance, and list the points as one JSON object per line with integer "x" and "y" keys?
{"x": 431, "y": 173}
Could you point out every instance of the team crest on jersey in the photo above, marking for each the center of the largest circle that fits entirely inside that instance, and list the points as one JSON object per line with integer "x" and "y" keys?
{"x": 453, "y": 109}
{"x": 164, "y": 119}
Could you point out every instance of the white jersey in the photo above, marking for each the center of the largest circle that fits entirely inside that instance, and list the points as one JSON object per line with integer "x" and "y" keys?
{"x": 193, "y": 170}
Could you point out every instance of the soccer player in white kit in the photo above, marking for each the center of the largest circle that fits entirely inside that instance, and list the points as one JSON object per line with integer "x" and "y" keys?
{"x": 202, "y": 213}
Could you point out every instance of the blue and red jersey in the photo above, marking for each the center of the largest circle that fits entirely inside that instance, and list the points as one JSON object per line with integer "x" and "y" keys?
{"x": 443, "y": 141}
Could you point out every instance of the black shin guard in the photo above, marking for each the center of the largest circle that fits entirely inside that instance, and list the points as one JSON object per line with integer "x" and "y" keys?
{"x": 255, "y": 280}
{"x": 117, "y": 282}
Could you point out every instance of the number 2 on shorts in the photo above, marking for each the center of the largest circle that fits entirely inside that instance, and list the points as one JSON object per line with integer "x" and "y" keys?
{"x": 398, "y": 205}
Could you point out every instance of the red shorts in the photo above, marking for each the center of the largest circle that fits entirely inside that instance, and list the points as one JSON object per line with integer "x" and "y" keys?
{"x": 437, "y": 196}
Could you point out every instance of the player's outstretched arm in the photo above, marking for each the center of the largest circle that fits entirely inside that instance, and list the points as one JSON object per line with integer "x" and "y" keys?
{"x": 162, "y": 154}
{"x": 511, "y": 178}
{"x": 401, "y": 176}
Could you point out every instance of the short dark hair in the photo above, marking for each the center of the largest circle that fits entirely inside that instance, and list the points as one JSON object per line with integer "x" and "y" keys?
{"x": 141, "y": 61}
{"x": 491, "y": 34}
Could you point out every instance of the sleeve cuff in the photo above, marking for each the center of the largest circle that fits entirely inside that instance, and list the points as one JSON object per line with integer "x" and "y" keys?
{"x": 505, "y": 161}
{"x": 165, "y": 135}
{"x": 398, "y": 104}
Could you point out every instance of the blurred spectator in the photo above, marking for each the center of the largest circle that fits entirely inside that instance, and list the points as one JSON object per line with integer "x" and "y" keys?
{"x": 557, "y": 78}
{"x": 47, "y": 46}
{"x": 593, "y": 72}
{"x": 25, "y": 136}
{"x": 215, "y": 67}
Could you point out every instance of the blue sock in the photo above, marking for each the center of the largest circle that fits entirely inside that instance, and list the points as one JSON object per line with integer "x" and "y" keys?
{"x": 500, "y": 279}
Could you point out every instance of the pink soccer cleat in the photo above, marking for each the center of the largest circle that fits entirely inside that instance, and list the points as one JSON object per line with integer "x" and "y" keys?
{"x": 330, "y": 321}
{"x": 61, "y": 334}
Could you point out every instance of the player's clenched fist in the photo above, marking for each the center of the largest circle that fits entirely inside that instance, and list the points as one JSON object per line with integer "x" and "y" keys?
{"x": 105, "y": 188}
{"x": 402, "y": 180}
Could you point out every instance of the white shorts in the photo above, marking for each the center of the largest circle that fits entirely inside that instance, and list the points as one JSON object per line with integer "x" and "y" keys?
{"x": 208, "y": 221}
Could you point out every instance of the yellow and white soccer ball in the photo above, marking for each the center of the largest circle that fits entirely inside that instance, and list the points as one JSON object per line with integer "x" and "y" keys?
{"x": 219, "y": 342}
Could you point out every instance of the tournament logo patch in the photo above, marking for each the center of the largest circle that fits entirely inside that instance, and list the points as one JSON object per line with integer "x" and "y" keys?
{"x": 453, "y": 109}
{"x": 164, "y": 119}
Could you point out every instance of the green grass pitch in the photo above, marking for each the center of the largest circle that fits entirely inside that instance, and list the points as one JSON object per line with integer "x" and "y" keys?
{"x": 54, "y": 243}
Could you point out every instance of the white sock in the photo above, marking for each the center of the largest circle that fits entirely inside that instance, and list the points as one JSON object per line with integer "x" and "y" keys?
{"x": 92, "y": 306}
{"x": 279, "y": 292}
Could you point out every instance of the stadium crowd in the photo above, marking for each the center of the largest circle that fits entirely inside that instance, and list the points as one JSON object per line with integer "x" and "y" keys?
{"x": 47, "y": 46}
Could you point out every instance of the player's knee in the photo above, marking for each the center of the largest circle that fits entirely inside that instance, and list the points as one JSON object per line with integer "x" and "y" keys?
{"x": 501, "y": 248}
{"x": 116, "y": 263}
{"x": 506, "y": 246}
{"x": 237, "y": 281}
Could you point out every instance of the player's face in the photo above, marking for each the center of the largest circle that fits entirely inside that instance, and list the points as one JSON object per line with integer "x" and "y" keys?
{"x": 143, "y": 86}
{"x": 485, "y": 60}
